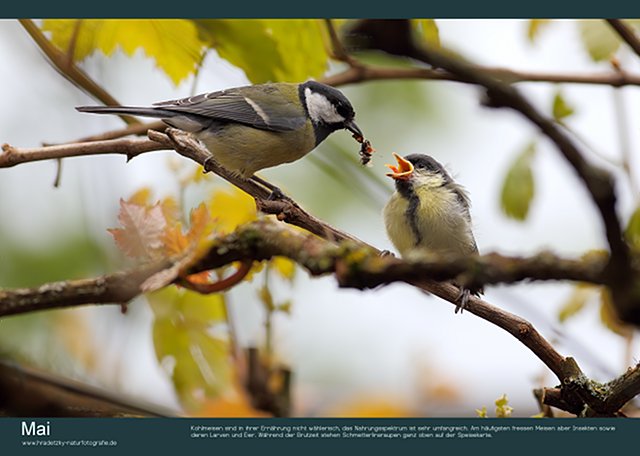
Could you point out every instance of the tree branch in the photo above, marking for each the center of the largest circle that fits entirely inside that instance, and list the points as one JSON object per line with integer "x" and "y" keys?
{"x": 626, "y": 33}
{"x": 26, "y": 391}
{"x": 131, "y": 147}
{"x": 355, "y": 263}
{"x": 364, "y": 73}
{"x": 394, "y": 37}
{"x": 350, "y": 262}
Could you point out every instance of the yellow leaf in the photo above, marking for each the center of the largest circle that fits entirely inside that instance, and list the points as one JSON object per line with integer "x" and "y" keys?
{"x": 269, "y": 50}
{"x": 141, "y": 197}
{"x": 534, "y": 28}
{"x": 599, "y": 39}
{"x": 285, "y": 267}
{"x": 429, "y": 31}
{"x": 198, "y": 361}
{"x": 267, "y": 299}
{"x": 518, "y": 186}
{"x": 632, "y": 232}
{"x": 577, "y": 300}
{"x": 285, "y": 307}
{"x": 73, "y": 330}
{"x": 503, "y": 410}
{"x": 608, "y": 315}
{"x": 257, "y": 267}
{"x": 172, "y": 43}
{"x": 561, "y": 109}
{"x": 232, "y": 208}
{"x": 188, "y": 307}
{"x": 170, "y": 210}
{"x": 198, "y": 174}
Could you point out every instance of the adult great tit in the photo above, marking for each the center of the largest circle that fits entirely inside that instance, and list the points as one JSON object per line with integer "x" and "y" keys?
{"x": 250, "y": 128}
{"x": 429, "y": 212}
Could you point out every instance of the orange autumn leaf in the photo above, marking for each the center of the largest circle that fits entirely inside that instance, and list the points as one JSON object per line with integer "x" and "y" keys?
{"x": 142, "y": 232}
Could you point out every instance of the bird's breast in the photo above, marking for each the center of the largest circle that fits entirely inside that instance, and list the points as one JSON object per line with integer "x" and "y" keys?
{"x": 436, "y": 222}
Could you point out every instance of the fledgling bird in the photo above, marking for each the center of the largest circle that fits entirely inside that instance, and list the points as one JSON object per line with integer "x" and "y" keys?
{"x": 250, "y": 128}
{"x": 429, "y": 212}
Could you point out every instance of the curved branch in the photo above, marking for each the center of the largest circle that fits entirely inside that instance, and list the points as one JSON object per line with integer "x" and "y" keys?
{"x": 264, "y": 239}
{"x": 350, "y": 262}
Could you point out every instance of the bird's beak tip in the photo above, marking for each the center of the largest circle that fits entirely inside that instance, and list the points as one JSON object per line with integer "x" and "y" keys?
{"x": 353, "y": 128}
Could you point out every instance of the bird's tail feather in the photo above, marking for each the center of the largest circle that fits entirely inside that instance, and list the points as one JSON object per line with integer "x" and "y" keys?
{"x": 129, "y": 110}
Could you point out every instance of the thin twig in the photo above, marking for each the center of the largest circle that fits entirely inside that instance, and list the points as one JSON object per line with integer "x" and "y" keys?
{"x": 69, "y": 70}
{"x": 338, "y": 50}
{"x": 373, "y": 73}
{"x": 131, "y": 147}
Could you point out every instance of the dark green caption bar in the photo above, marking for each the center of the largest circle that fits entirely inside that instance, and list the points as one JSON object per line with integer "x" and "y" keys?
{"x": 326, "y": 8}
{"x": 65, "y": 435}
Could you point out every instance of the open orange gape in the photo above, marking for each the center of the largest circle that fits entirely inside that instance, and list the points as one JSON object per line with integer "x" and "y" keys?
{"x": 401, "y": 172}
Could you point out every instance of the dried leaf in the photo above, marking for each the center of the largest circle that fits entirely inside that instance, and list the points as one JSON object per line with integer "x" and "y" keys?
{"x": 141, "y": 235}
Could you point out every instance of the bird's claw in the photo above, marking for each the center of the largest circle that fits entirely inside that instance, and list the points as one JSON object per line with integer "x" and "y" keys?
{"x": 462, "y": 299}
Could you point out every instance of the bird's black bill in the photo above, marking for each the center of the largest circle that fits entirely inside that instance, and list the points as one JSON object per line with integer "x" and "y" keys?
{"x": 353, "y": 128}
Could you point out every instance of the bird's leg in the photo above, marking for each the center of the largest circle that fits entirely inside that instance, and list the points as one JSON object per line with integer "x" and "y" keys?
{"x": 276, "y": 193}
{"x": 462, "y": 299}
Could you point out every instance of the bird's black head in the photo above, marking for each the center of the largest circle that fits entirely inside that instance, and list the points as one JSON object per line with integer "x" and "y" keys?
{"x": 426, "y": 163}
{"x": 417, "y": 170}
{"x": 328, "y": 109}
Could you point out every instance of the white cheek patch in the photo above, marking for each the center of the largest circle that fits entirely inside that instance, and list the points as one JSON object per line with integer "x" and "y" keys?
{"x": 320, "y": 109}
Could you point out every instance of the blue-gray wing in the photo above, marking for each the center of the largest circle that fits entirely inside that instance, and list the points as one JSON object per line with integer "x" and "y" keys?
{"x": 240, "y": 105}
